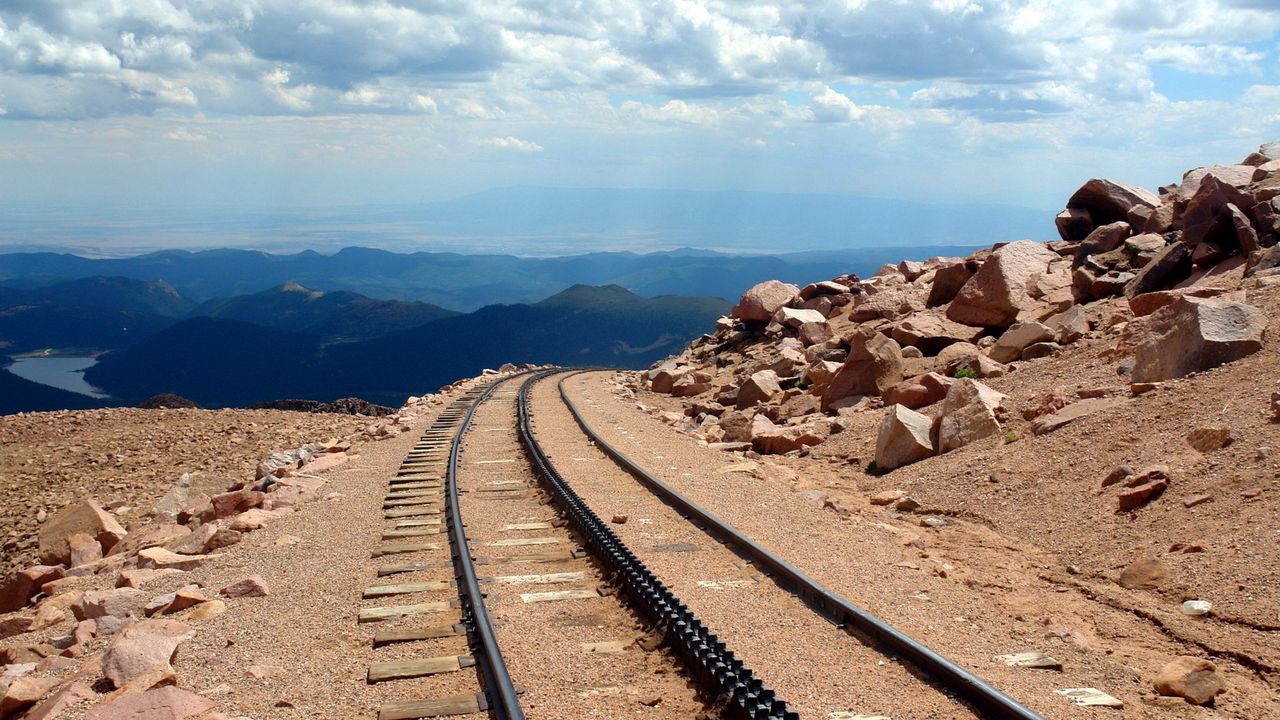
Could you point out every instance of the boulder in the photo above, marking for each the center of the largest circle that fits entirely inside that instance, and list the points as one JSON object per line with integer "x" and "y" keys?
{"x": 822, "y": 289}
{"x": 115, "y": 603}
{"x": 1171, "y": 265}
{"x": 931, "y": 332}
{"x": 1103, "y": 239}
{"x": 1074, "y": 224}
{"x": 763, "y": 300}
{"x": 83, "y": 516}
{"x": 236, "y": 502}
{"x": 1019, "y": 336}
{"x": 1238, "y": 176}
{"x": 904, "y": 438}
{"x": 252, "y": 586}
{"x": 736, "y": 426}
{"x": 1209, "y": 438}
{"x": 84, "y": 549}
{"x": 820, "y": 372}
{"x": 165, "y": 703}
{"x": 814, "y": 333}
{"x": 251, "y": 520}
{"x": 1207, "y": 218}
{"x": 947, "y": 281}
{"x": 24, "y": 692}
{"x": 1193, "y": 679}
{"x": 770, "y": 439}
{"x": 919, "y": 391}
{"x": 794, "y": 317}
{"x": 1069, "y": 325}
{"x": 1147, "y": 303}
{"x": 24, "y": 585}
{"x": 199, "y": 509}
{"x": 1192, "y": 334}
{"x": 160, "y": 559}
{"x": 969, "y": 412}
{"x": 149, "y": 535}
{"x": 1108, "y": 201}
{"x": 1242, "y": 226}
{"x": 995, "y": 295}
{"x": 134, "y": 654}
{"x": 980, "y": 365}
{"x": 204, "y": 539}
{"x": 874, "y": 365}
{"x": 1140, "y": 493}
{"x": 759, "y": 388}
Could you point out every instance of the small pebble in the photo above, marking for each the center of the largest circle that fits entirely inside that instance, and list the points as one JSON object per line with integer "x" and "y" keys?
{"x": 1195, "y": 607}
{"x": 620, "y": 519}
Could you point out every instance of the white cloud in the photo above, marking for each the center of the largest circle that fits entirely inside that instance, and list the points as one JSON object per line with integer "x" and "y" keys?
{"x": 512, "y": 143}
{"x": 1205, "y": 59}
{"x": 832, "y": 106}
{"x": 185, "y": 135}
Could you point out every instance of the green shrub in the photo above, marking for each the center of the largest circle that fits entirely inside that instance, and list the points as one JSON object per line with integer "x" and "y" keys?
{"x": 1010, "y": 437}
{"x": 966, "y": 373}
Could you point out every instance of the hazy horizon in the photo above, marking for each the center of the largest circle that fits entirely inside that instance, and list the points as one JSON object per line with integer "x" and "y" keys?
{"x": 247, "y": 110}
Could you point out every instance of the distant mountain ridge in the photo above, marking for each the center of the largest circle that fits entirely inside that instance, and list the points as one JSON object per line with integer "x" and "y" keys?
{"x": 339, "y": 316}
{"x": 220, "y": 362}
{"x": 453, "y": 281}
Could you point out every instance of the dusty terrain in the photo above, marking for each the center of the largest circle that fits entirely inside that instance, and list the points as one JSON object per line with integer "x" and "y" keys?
{"x": 127, "y": 459}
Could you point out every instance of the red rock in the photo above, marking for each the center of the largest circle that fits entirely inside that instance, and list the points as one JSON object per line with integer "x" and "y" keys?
{"x": 134, "y": 655}
{"x": 251, "y": 520}
{"x": 930, "y": 332}
{"x": 1135, "y": 497}
{"x": 84, "y": 549}
{"x": 969, "y": 412}
{"x": 198, "y": 508}
{"x": 1071, "y": 413}
{"x": 137, "y": 578}
{"x": 117, "y": 603}
{"x": 759, "y": 303}
{"x": 24, "y": 585}
{"x": 236, "y": 502}
{"x": 948, "y": 280}
{"x": 1074, "y": 224}
{"x": 1142, "y": 573}
{"x": 326, "y": 462}
{"x": 252, "y": 586}
{"x": 1194, "y": 334}
{"x": 814, "y": 333}
{"x": 166, "y": 703}
{"x": 149, "y": 536}
{"x": 1169, "y": 266}
{"x": 1193, "y": 679}
{"x": 25, "y": 692}
{"x": 995, "y": 295}
{"x": 903, "y": 438}
{"x": 53, "y": 706}
{"x": 736, "y": 426}
{"x": 1210, "y": 438}
{"x": 161, "y": 559}
{"x": 1206, "y": 218}
{"x": 1147, "y": 303}
{"x": 15, "y": 625}
{"x": 1108, "y": 201}
{"x": 759, "y": 388}
{"x": 919, "y": 391}
{"x": 83, "y": 516}
{"x": 874, "y": 365}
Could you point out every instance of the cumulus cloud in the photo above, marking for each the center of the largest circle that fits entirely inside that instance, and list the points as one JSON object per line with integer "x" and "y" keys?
{"x": 894, "y": 74}
{"x": 185, "y": 135}
{"x": 512, "y": 143}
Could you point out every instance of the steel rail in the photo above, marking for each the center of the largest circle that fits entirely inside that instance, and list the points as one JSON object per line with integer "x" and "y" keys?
{"x": 989, "y": 701}
{"x": 502, "y": 696}
{"x": 710, "y": 661}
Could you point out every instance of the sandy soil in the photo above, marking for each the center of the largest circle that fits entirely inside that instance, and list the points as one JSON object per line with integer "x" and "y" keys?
{"x": 127, "y": 459}
{"x": 1018, "y": 564}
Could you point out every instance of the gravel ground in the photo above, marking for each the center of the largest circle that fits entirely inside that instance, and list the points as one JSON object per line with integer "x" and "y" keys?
{"x": 127, "y": 459}
{"x": 814, "y": 666}
{"x": 543, "y": 642}
{"x": 965, "y": 589}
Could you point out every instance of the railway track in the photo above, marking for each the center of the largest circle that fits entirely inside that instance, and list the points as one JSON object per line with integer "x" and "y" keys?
{"x": 512, "y": 588}
{"x": 533, "y": 603}
{"x": 945, "y": 676}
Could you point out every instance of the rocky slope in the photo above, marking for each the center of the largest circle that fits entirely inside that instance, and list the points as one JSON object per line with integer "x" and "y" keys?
{"x": 1110, "y": 397}
{"x": 124, "y": 513}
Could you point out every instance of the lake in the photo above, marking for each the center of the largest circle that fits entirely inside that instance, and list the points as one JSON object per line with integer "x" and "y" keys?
{"x": 66, "y": 373}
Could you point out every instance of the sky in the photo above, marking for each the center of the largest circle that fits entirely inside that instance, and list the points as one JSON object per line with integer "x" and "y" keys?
{"x": 254, "y": 105}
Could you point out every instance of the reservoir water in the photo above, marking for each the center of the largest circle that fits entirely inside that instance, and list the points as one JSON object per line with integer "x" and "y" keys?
{"x": 66, "y": 373}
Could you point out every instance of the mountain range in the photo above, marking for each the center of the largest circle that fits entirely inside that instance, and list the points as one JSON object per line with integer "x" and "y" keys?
{"x": 216, "y": 361}
{"x": 457, "y": 282}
